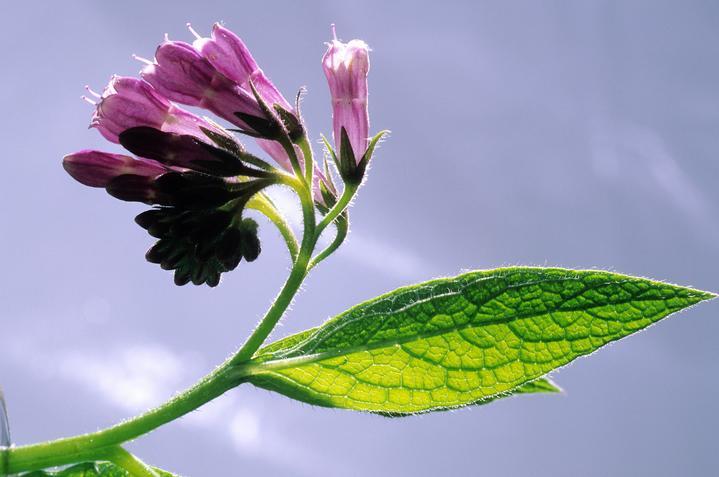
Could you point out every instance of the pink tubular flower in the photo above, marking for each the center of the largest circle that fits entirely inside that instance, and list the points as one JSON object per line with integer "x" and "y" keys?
{"x": 229, "y": 55}
{"x": 218, "y": 73}
{"x": 346, "y": 66}
{"x": 96, "y": 168}
{"x": 130, "y": 102}
{"x": 181, "y": 74}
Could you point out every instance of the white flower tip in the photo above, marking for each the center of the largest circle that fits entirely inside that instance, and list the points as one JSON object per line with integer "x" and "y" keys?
{"x": 192, "y": 30}
{"x": 334, "y": 31}
{"x": 93, "y": 93}
{"x": 141, "y": 59}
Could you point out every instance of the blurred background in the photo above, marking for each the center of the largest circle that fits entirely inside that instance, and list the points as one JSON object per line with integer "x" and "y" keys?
{"x": 579, "y": 134}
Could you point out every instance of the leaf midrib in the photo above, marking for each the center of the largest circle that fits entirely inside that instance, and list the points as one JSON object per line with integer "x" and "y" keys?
{"x": 328, "y": 329}
{"x": 256, "y": 368}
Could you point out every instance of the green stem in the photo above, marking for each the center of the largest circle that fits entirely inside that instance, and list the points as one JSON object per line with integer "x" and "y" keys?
{"x": 264, "y": 205}
{"x": 291, "y": 286}
{"x": 130, "y": 463}
{"x": 289, "y": 148}
{"x": 347, "y": 195}
{"x": 95, "y": 445}
{"x": 342, "y": 223}
{"x": 306, "y": 149}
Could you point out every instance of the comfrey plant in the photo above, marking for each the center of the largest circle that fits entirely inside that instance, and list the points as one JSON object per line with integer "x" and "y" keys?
{"x": 442, "y": 344}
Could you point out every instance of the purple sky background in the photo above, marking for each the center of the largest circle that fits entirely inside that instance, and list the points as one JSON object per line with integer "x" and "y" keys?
{"x": 578, "y": 134}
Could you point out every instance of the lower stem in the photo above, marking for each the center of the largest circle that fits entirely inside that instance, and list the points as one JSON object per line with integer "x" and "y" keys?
{"x": 96, "y": 445}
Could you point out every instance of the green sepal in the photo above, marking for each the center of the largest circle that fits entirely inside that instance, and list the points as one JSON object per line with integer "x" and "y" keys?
{"x": 367, "y": 156}
{"x": 351, "y": 170}
{"x": 328, "y": 175}
{"x": 268, "y": 127}
{"x": 224, "y": 142}
{"x": 292, "y": 123}
{"x": 236, "y": 148}
{"x": 327, "y": 195}
{"x": 260, "y": 127}
{"x": 347, "y": 163}
{"x": 332, "y": 153}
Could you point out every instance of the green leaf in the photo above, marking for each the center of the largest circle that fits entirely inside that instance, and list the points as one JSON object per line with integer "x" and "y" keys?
{"x": 465, "y": 340}
{"x": 90, "y": 469}
{"x": 539, "y": 386}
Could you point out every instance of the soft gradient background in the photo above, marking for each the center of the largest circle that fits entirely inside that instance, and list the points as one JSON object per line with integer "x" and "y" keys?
{"x": 576, "y": 133}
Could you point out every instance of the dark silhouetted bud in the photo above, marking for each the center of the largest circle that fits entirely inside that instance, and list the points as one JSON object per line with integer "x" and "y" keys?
{"x": 199, "y": 245}
{"x": 182, "y": 151}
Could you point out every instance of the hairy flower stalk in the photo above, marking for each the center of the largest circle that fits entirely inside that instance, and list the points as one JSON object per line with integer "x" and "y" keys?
{"x": 187, "y": 167}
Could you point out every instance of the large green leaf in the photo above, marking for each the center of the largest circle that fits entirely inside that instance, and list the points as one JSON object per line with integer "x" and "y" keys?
{"x": 464, "y": 340}
{"x": 90, "y": 469}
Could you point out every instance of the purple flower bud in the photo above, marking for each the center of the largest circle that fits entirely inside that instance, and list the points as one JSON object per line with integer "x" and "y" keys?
{"x": 130, "y": 102}
{"x": 97, "y": 168}
{"x": 346, "y": 66}
{"x": 229, "y": 55}
{"x": 181, "y": 74}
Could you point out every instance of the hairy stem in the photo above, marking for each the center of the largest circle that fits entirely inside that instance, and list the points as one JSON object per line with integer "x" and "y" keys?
{"x": 291, "y": 286}
{"x": 347, "y": 194}
{"x": 96, "y": 445}
{"x": 306, "y": 149}
{"x": 264, "y": 205}
{"x": 342, "y": 224}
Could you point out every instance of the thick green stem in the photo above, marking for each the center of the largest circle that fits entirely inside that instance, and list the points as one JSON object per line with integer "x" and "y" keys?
{"x": 291, "y": 286}
{"x": 95, "y": 445}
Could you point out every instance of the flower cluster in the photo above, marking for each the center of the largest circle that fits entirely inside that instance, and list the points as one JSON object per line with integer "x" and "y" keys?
{"x": 197, "y": 176}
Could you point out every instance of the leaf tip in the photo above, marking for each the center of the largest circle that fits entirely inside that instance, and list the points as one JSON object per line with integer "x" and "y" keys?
{"x": 702, "y": 295}
{"x": 552, "y": 387}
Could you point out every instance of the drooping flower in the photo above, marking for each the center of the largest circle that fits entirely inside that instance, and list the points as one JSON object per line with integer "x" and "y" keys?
{"x": 196, "y": 219}
{"x": 185, "y": 166}
{"x": 346, "y": 66}
{"x": 229, "y": 55}
{"x": 183, "y": 74}
{"x": 130, "y": 102}
{"x": 97, "y": 169}
{"x": 197, "y": 215}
